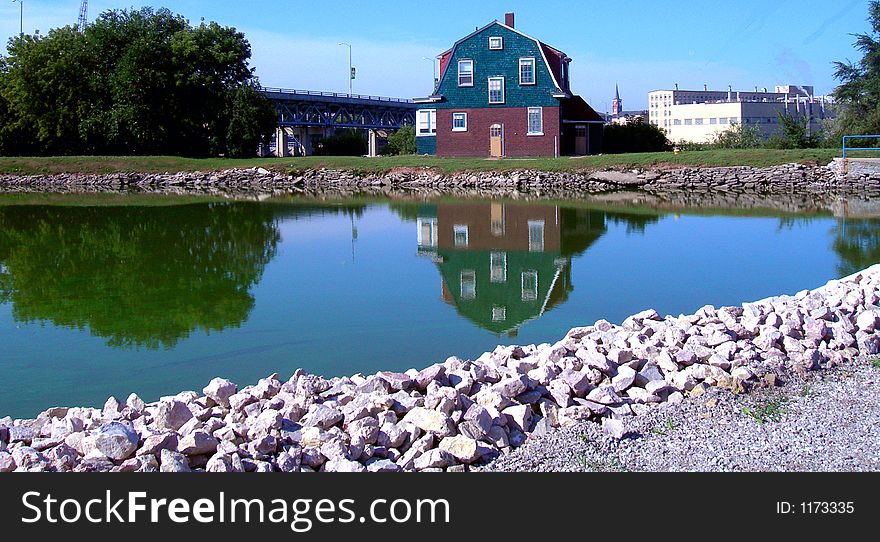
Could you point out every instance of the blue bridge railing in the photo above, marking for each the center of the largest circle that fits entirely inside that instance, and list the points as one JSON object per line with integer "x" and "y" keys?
{"x": 845, "y": 148}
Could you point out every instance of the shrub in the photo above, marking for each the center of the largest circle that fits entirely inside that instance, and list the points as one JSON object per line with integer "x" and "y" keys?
{"x": 636, "y": 136}
{"x": 402, "y": 141}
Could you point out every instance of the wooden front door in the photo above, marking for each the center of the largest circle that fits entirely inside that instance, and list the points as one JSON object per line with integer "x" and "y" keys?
{"x": 496, "y": 141}
{"x": 580, "y": 139}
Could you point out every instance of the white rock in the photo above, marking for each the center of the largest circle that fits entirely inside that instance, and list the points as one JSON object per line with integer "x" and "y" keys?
{"x": 431, "y": 421}
{"x": 116, "y": 441}
{"x": 220, "y": 390}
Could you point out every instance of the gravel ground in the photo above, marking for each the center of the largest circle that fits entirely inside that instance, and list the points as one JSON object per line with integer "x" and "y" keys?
{"x": 826, "y": 421}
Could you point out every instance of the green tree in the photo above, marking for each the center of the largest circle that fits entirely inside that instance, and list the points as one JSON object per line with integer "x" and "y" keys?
{"x": 795, "y": 134}
{"x": 859, "y": 92}
{"x": 251, "y": 119}
{"x": 636, "y": 136}
{"x": 738, "y": 136}
{"x": 134, "y": 82}
{"x": 402, "y": 141}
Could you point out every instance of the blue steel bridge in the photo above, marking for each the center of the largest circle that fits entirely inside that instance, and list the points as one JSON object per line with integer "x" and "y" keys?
{"x": 307, "y": 116}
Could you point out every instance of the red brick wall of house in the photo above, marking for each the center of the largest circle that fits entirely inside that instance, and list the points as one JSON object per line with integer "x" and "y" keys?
{"x": 475, "y": 142}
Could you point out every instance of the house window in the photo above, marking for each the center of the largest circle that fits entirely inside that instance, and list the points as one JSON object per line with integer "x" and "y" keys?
{"x": 722, "y": 120}
{"x": 496, "y": 43}
{"x": 496, "y": 90}
{"x": 536, "y": 121}
{"x": 527, "y": 71}
{"x": 713, "y": 121}
{"x": 529, "y": 285}
{"x": 698, "y": 121}
{"x": 498, "y": 267}
{"x": 676, "y": 122}
{"x": 465, "y": 73}
{"x": 536, "y": 236}
{"x": 427, "y": 228}
{"x": 427, "y": 122}
{"x": 499, "y": 313}
{"x": 459, "y": 122}
{"x": 468, "y": 284}
{"x": 460, "y": 235}
{"x": 688, "y": 122}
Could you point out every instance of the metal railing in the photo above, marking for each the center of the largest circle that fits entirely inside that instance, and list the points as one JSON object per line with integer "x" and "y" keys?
{"x": 845, "y": 148}
{"x": 334, "y": 95}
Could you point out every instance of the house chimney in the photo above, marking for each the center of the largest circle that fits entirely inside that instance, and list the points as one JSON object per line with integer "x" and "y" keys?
{"x": 509, "y": 20}
{"x": 705, "y": 87}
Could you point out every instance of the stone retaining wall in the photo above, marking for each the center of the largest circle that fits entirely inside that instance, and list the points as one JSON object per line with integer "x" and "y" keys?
{"x": 785, "y": 179}
{"x": 459, "y": 413}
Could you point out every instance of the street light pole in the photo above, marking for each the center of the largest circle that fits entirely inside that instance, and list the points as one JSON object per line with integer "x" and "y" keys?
{"x": 434, "y": 71}
{"x": 20, "y": 17}
{"x": 350, "y": 78}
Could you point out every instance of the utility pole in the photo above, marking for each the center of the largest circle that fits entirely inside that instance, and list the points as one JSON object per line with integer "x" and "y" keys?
{"x": 434, "y": 72}
{"x": 350, "y": 68}
{"x": 20, "y": 17}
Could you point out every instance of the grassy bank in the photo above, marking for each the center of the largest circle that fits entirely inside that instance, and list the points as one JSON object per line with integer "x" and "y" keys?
{"x": 159, "y": 164}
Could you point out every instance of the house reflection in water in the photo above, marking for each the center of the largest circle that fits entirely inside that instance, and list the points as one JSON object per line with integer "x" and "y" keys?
{"x": 505, "y": 264}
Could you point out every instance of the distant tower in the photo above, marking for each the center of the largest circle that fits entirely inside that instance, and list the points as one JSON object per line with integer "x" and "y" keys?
{"x": 617, "y": 104}
{"x": 83, "y": 16}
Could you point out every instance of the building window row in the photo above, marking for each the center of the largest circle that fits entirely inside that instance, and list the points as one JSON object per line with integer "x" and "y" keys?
{"x": 527, "y": 72}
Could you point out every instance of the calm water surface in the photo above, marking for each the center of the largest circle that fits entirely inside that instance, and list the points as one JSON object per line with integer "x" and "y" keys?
{"x": 161, "y": 295}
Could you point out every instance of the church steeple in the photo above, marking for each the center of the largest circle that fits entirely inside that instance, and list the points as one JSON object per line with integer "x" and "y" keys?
{"x": 617, "y": 103}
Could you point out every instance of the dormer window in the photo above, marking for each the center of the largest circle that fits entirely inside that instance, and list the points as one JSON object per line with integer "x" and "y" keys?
{"x": 465, "y": 73}
{"x": 496, "y": 43}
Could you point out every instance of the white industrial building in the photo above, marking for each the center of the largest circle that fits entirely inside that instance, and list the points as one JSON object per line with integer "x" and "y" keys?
{"x": 696, "y": 116}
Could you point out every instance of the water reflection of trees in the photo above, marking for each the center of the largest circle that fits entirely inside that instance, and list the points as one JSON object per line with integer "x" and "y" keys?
{"x": 857, "y": 243}
{"x": 137, "y": 276}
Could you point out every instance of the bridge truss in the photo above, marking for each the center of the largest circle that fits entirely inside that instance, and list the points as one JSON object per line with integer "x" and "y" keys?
{"x": 333, "y": 110}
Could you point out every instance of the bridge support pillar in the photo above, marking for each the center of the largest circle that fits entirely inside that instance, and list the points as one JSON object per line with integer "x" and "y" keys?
{"x": 280, "y": 142}
{"x": 372, "y": 143}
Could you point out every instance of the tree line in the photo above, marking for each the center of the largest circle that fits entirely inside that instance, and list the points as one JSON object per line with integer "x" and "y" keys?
{"x": 136, "y": 82}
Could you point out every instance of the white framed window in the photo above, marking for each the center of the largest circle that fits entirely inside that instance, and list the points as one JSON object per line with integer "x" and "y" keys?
{"x": 498, "y": 267}
{"x": 536, "y": 236}
{"x": 426, "y": 120}
{"x": 529, "y": 285}
{"x": 698, "y": 121}
{"x": 676, "y": 122}
{"x": 688, "y": 122}
{"x": 536, "y": 121}
{"x": 722, "y": 120}
{"x": 496, "y": 90}
{"x": 713, "y": 121}
{"x": 468, "y": 284}
{"x": 527, "y": 71}
{"x": 499, "y": 313}
{"x": 496, "y": 43}
{"x": 460, "y": 235}
{"x": 459, "y": 122}
{"x": 466, "y": 73}
{"x": 427, "y": 232}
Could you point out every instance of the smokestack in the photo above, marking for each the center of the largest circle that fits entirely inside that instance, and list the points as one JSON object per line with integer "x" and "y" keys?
{"x": 705, "y": 87}
{"x": 509, "y": 20}
{"x": 676, "y": 86}
{"x": 729, "y": 93}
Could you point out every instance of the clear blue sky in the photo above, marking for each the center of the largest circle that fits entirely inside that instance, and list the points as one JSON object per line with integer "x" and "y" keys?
{"x": 642, "y": 45}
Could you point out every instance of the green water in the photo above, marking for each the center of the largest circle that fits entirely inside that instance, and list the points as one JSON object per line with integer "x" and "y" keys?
{"x": 103, "y": 297}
